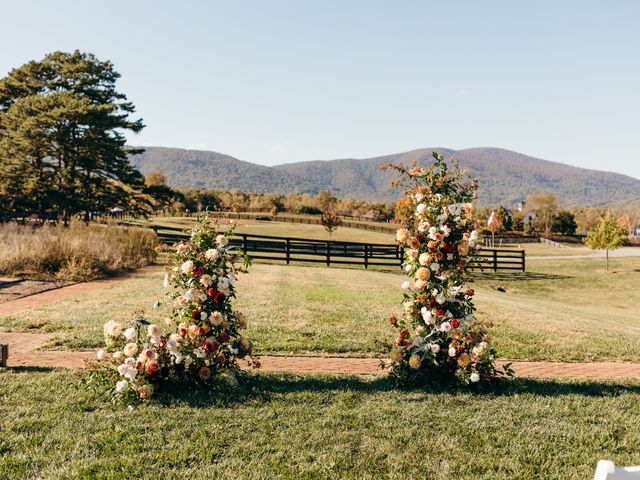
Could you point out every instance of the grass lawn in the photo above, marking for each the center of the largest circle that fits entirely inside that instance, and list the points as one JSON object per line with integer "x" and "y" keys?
{"x": 563, "y": 309}
{"x": 286, "y": 229}
{"x": 284, "y": 426}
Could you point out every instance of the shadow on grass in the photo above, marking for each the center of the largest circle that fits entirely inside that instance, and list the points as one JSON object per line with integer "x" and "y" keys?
{"x": 29, "y": 369}
{"x": 263, "y": 387}
{"x": 517, "y": 276}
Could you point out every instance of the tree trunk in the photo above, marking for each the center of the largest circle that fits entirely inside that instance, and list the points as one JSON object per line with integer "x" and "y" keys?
{"x": 607, "y": 260}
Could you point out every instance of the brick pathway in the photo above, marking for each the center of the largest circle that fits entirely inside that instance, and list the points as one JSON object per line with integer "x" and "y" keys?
{"x": 22, "y": 352}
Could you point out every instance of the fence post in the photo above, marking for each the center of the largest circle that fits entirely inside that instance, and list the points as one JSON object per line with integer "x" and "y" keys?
{"x": 244, "y": 242}
{"x": 400, "y": 254}
{"x": 522, "y": 253}
{"x": 495, "y": 260}
{"x": 288, "y": 252}
{"x": 366, "y": 256}
{"x": 328, "y": 254}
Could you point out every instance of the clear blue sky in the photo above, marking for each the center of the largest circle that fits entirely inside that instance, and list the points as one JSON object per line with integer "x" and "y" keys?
{"x": 281, "y": 81}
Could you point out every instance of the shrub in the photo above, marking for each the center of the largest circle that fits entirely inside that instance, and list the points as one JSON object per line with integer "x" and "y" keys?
{"x": 78, "y": 252}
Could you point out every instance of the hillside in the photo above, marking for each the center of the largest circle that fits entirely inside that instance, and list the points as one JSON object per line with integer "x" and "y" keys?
{"x": 505, "y": 177}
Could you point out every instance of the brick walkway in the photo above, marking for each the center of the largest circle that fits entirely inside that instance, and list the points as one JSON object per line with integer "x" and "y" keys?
{"x": 22, "y": 352}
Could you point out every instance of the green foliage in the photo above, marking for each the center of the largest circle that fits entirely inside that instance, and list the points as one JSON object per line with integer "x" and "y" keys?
{"x": 607, "y": 235}
{"x": 564, "y": 223}
{"x": 62, "y": 143}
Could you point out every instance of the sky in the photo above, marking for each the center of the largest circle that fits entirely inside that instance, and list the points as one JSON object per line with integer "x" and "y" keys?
{"x": 278, "y": 81}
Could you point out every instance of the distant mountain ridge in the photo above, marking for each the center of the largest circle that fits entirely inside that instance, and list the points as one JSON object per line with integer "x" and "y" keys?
{"x": 505, "y": 177}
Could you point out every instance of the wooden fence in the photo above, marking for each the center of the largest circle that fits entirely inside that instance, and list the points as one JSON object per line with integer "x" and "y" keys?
{"x": 304, "y": 250}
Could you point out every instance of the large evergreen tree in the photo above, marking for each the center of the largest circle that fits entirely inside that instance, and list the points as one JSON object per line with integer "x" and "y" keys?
{"x": 62, "y": 143}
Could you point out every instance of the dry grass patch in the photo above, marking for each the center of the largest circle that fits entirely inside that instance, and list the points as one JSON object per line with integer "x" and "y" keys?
{"x": 79, "y": 252}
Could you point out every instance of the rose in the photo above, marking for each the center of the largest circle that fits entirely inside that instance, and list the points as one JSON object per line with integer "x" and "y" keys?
{"x": 471, "y": 292}
{"x": 223, "y": 337}
{"x": 222, "y": 240}
{"x": 195, "y": 314}
{"x": 219, "y": 297}
{"x": 402, "y": 235}
{"x": 198, "y": 271}
{"x": 101, "y": 354}
{"x": 211, "y": 254}
{"x": 186, "y": 267}
{"x": 204, "y": 373}
{"x": 393, "y": 321}
{"x": 455, "y": 323}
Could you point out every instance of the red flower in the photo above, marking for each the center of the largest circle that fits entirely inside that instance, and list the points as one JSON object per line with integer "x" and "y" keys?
{"x": 211, "y": 292}
{"x": 211, "y": 346}
{"x": 448, "y": 248}
{"x": 393, "y": 321}
{"x": 198, "y": 271}
{"x": 455, "y": 323}
{"x": 404, "y": 333}
{"x": 152, "y": 367}
{"x": 223, "y": 337}
{"x": 471, "y": 292}
{"x": 441, "y": 312}
{"x": 195, "y": 314}
{"x": 433, "y": 303}
{"x": 219, "y": 297}
{"x": 401, "y": 342}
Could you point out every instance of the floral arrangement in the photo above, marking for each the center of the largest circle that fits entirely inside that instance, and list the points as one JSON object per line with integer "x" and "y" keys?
{"x": 202, "y": 339}
{"x": 439, "y": 339}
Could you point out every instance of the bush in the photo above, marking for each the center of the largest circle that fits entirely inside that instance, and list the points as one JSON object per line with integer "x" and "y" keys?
{"x": 78, "y": 252}
{"x": 310, "y": 210}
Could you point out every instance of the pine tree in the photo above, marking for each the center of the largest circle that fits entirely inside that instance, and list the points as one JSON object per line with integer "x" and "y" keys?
{"x": 62, "y": 144}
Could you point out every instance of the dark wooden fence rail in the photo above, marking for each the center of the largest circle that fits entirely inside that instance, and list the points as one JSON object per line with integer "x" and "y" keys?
{"x": 304, "y": 250}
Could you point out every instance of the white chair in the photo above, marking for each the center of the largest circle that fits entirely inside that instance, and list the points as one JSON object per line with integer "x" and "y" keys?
{"x": 606, "y": 470}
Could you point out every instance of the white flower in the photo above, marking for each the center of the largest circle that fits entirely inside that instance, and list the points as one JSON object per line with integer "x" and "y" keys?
{"x": 435, "y": 348}
{"x": 408, "y": 268}
{"x": 435, "y": 266}
{"x": 165, "y": 282}
{"x": 130, "y": 349}
{"x": 154, "y": 330}
{"x": 419, "y": 197}
{"x": 446, "y": 230}
{"x": 452, "y": 352}
{"x": 421, "y": 208}
{"x": 203, "y": 315}
{"x": 423, "y": 227}
{"x": 206, "y": 280}
{"x": 441, "y": 299}
{"x": 405, "y": 285}
{"x": 101, "y": 354}
{"x": 118, "y": 356}
{"x": 420, "y": 330}
{"x": 121, "y": 385}
{"x": 200, "y": 353}
{"x": 112, "y": 328}
{"x": 412, "y": 254}
{"x": 475, "y": 378}
{"x": 130, "y": 333}
{"x": 216, "y": 318}
{"x": 187, "y": 267}
{"x": 211, "y": 254}
{"x": 222, "y": 240}
{"x": 427, "y": 316}
{"x": 469, "y": 317}
{"x": 188, "y": 361}
{"x": 424, "y": 258}
{"x": 445, "y": 327}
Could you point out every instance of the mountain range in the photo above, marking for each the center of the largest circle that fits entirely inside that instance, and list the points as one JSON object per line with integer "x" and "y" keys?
{"x": 505, "y": 177}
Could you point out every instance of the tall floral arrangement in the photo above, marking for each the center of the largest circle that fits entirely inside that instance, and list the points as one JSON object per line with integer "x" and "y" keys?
{"x": 202, "y": 338}
{"x": 439, "y": 338}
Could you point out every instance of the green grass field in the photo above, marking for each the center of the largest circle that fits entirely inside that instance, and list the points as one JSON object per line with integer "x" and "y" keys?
{"x": 563, "y": 309}
{"x": 308, "y": 427}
